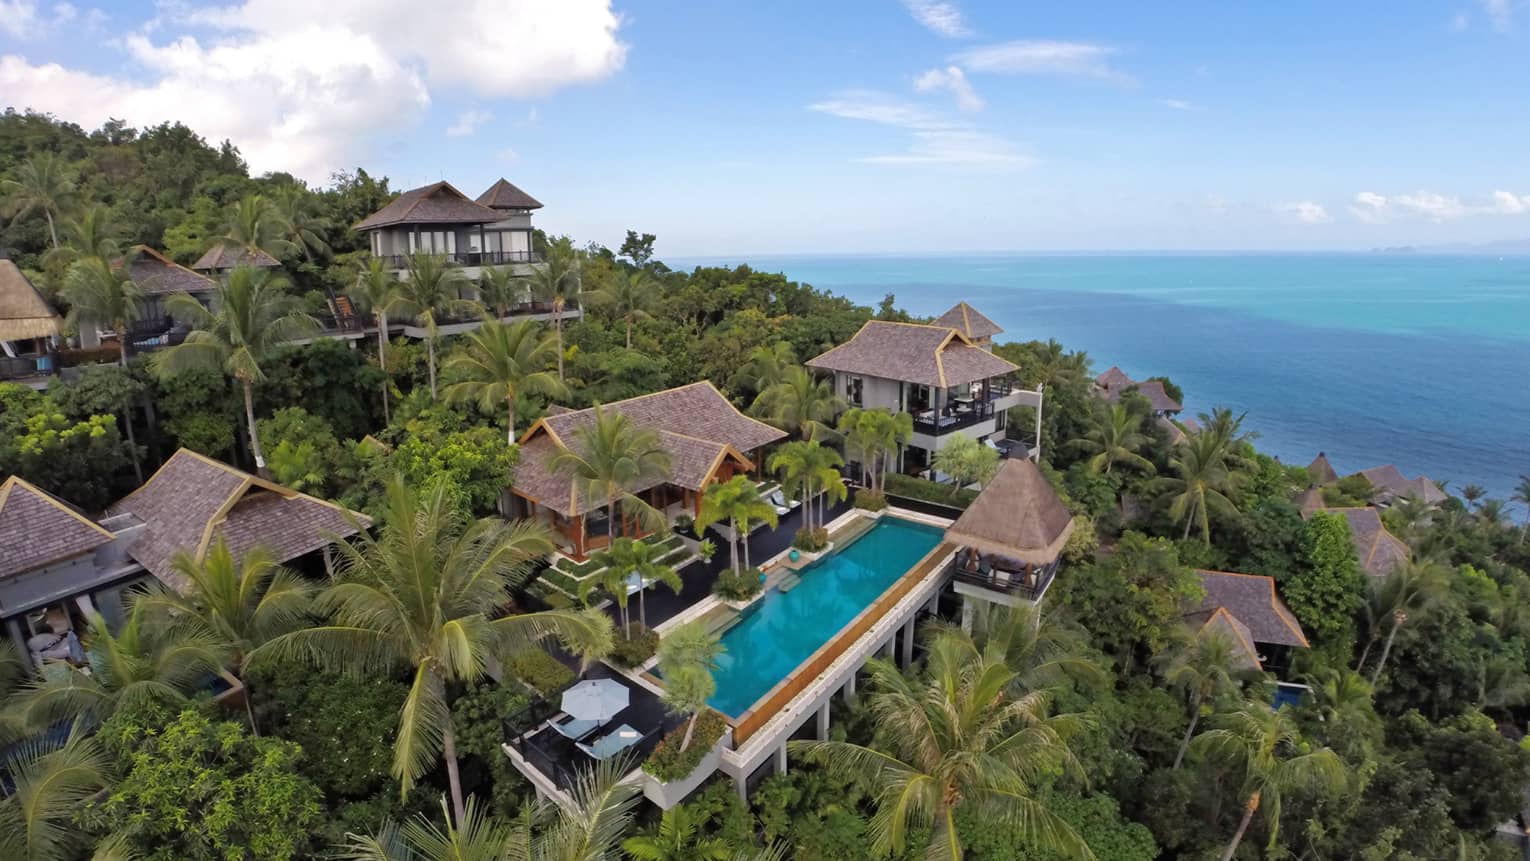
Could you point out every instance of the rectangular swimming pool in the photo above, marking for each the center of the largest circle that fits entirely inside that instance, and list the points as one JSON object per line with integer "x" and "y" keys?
{"x": 783, "y": 629}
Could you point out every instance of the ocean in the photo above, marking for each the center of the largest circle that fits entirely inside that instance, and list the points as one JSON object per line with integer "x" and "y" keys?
{"x": 1418, "y": 360}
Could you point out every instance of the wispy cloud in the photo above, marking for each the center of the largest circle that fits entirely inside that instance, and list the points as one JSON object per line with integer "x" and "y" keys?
{"x": 1305, "y": 211}
{"x": 1042, "y": 57}
{"x": 941, "y": 18}
{"x": 1373, "y": 208}
{"x": 1177, "y": 104}
{"x": 24, "y": 20}
{"x": 954, "y": 81}
{"x": 1460, "y": 21}
{"x": 1500, "y": 13}
{"x": 467, "y": 123}
{"x": 935, "y": 139}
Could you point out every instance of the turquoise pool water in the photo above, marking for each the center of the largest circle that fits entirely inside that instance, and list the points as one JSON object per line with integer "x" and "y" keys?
{"x": 783, "y": 629}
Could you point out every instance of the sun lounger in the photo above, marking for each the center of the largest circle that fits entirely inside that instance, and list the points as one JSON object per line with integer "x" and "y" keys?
{"x": 575, "y": 730}
{"x": 778, "y": 500}
{"x": 612, "y": 743}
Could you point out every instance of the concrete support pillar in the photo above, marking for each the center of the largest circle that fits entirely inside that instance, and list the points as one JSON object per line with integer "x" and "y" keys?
{"x": 823, "y": 720}
{"x": 933, "y": 607}
{"x": 968, "y": 611}
{"x": 781, "y": 759}
{"x": 741, "y": 784}
{"x": 891, "y": 646}
{"x": 850, "y": 689}
{"x": 908, "y": 643}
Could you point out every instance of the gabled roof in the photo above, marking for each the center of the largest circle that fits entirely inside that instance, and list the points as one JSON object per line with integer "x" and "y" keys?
{"x": 24, "y": 313}
{"x": 1113, "y": 378}
{"x": 912, "y": 353}
{"x": 220, "y": 258}
{"x": 503, "y": 195}
{"x": 1310, "y": 500}
{"x": 1219, "y": 622}
{"x": 37, "y": 529}
{"x": 1391, "y": 484}
{"x": 157, "y": 275}
{"x": 1379, "y": 551}
{"x": 1252, "y": 600}
{"x": 965, "y": 319}
{"x": 1321, "y": 470}
{"x": 1153, "y": 390}
{"x": 697, "y": 426}
{"x": 193, "y": 500}
{"x": 437, "y": 203}
{"x": 1017, "y": 515}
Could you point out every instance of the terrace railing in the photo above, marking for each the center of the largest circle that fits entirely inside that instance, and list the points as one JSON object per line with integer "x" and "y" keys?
{"x": 955, "y": 419}
{"x": 816, "y": 666}
{"x": 470, "y": 258}
{"x": 1030, "y": 585}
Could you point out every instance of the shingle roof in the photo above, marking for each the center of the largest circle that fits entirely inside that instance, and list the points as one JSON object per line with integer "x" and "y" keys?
{"x": 1321, "y": 470}
{"x": 1113, "y": 378}
{"x": 1310, "y": 500}
{"x": 157, "y": 275}
{"x": 504, "y": 195}
{"x": 1219, "y": 622}
{"x": 1251, "y": 599}
{"x": 36, "y": 529}
{"x": 912, "y": 353}
{"x": 1152, "y": 390}
{"x": 1017, "y": 515}
{"x": 1391, "y": 484}
{"x": 697, "y": 425}
{"x": 1379, "y": 551}
{"x": 437, "y": 203}
{"x": 193, "y": 500}
{"x": 221, "y": 257}
{"x": 966, "y": 319}
{"x": 24, "y": 314}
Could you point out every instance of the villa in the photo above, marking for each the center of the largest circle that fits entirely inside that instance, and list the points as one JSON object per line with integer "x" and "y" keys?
{"x": 1114, "y": 383}
{"x": 945, "y": 378}
{"x": 29, "y": 329}
{"x": 494, "y": 230}
{"x": 222, "y": 259}
{"x": 707, "y": 438}
{"x": 1246, "y": 610}
{"x": 1379, "y": 551}
{"x": 158, "y": 278}
{"x": 1388, "y": 484}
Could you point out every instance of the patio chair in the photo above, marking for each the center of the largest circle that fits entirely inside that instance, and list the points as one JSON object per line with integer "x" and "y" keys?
{"x": 612, "y": 743}
{"x": 575, "y": 730}
{"x": 777, "y": 499}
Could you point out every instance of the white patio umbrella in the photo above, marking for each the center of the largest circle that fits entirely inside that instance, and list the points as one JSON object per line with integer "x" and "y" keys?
{"x": 595, "y": 699}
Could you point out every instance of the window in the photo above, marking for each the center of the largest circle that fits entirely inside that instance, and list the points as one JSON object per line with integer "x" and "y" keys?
{"x": 854, "y": 388}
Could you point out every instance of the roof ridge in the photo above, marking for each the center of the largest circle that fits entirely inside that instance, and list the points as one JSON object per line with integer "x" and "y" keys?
{"x": 16, "y": 481}
{"x": 1234, "y": 622}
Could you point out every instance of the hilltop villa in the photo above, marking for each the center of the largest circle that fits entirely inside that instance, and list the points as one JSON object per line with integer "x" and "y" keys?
{"x": 707, "y": 438}
{"x": 1114, "y": 383}
{"x": 493, "y": 230}
{"x": 1388, "y": 484}
{"x": 946, "y": 379}
{"x": 1245, "y": 609}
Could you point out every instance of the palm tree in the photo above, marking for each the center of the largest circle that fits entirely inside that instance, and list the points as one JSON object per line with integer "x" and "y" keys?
{"x": 503, "y": 361}
{"x": 51, "y": 784}
{"x": 807, "y": 469}
{"x": 1205, "y": 668}
{"x": 587, "y": 830}
{"x": 1044, "y": 649}
{"x": 1202, "y": 483}
{"x": 499, "y": 288}
{"x": 611, "y": 459}
{"x": 239, "y": 604}
{"x": 1223, "y": 425}
{"x": 678, "y": 838}
{"x": 957, "y": 736}
{"x": 143, "y": 662}
{"x": 688, "y": 656}
{"x": 631, "y": 296}
{"x": 1116, "y": 439}
{"x": 90, "y": 233}
{"x": 620, "y": 561}
{"x": 376, "y": 291}
{"x": 1265, "y": 747}
{"x": 556, "y": 281}
{"x": 1410, "y": 590}
{"x": 303, "y": 228}
{"x": 256, "y": 225}
{"x": 766, "y": 366}
{"x": 800, "y": 402}
{"x": 42, "y": 184}
{"x": 105, "y": 297}
{"x": 1472, "y": 493}
{"x": 872, "y": 436}
{"x": 254, "y": 314}
{"x": 432, "y": 290}
{"x": 1522, "y": 496}
{"x": 424, "y": 594}
{"x": 738, "y": 502}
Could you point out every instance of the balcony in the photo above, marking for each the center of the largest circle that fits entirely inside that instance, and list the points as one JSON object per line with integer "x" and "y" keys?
{"x": 25, "y": 367}
{"x": 1026, "y": 582}
{"x": 470, "y": 258}
{"x": 960, "y": 413}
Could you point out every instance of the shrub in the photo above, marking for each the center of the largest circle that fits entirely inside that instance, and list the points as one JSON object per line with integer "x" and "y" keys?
{"x": 870, "y": 500}
{"x": 684, "y": 522}
{"x": 737, "y": 587}
{"x": 928, "y": 491}
{"x": 344, "y": 723}
{"x": 669, "y": 763}
{"x": 74, "y": 357}
{"x": 477, "y": 715}
{"x": 638, "y": 646}
{"x": 541, "y": 672}
{"x": 811, "y": 540}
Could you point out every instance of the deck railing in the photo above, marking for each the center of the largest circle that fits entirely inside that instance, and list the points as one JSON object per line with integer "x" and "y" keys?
{"x": 927, "y": 423}
{"x": 751, "y": 721}
{"x": 470, "y": 258}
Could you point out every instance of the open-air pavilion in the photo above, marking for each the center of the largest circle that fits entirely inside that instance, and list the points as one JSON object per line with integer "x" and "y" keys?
{"x": 1010, "y": 539}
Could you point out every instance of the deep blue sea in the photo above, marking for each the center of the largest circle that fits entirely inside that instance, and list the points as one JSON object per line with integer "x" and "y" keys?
{"x": 1418, "y": 360}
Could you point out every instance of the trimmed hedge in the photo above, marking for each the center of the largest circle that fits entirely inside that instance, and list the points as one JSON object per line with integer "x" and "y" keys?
{"x": 577, "y": 569}
{"x": 870, "y": 500}
{"x": 541, "y": 672}
{"x": 737, "y": 587}
{"x": 929, "y": 491}
{"x": 639, "y": 645}
{"x": 811, "y": 540}
{"x": 676, "y": 557}
{"x": 669, "y": 763}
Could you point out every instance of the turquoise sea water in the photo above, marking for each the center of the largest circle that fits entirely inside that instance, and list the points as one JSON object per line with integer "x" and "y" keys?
{"x": 775, "y": 635}
{"x": 1418, "y": 360}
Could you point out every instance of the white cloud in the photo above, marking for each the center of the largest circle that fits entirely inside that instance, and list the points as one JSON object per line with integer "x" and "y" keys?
{"x": 1508, "y": 203}
{"x": 1501, "y": 13}
{"x": 1369, "y": 207}
{"x": 936, "y": 140}
{"x": 308, "y": 99}
{"x": 1024, "y": 56}
{"x": 1216, "y": 202}
{"x": 508, "y": 155}
{"x": 23, "y": 20}
{"x": 954, "y": 81}
{"x": 1373, "y": 208}
{"x": 1306, "y": 212}
{"x": 941, "y": 18}
{"x": 467, "y": 123}
{"x": 1460, "y": 21}
{"x": 1177, "y": 104}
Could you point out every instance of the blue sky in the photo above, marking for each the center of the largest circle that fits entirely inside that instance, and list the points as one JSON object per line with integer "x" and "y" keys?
{"x": 856, "y": 125}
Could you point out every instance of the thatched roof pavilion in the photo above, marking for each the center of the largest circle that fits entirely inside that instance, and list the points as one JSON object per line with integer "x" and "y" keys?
{"x": 1017, "y": 516}
{"x": 24, "y": 313}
